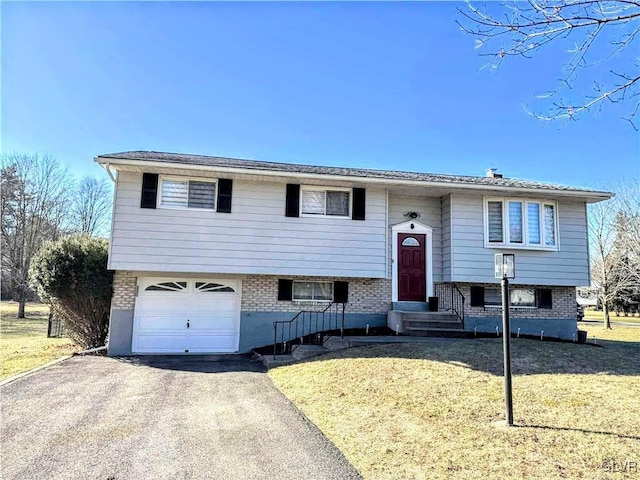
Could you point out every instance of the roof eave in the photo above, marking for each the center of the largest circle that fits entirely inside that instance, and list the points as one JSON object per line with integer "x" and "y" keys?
{"x": 585, "y": 195}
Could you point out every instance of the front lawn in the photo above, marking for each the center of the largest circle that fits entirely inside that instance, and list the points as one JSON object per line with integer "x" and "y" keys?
{"x": 426, "y": 411}
{"x": 23, "y": 341}
{"x": 599, "y": 316}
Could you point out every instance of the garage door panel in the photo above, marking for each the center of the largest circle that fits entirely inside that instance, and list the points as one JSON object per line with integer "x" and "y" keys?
{"x": 168, "y": 304}
{"x": 212, "y": 343}
{"x": 160, "y": 324}
{"x": 168, "y": 343}
{"x": 213, "y": 322}
{"x": 214, "y": 302}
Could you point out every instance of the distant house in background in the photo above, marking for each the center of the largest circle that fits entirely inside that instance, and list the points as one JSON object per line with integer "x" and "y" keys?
{"x": 208, "y": 252}
{"x": 587, "y": 296}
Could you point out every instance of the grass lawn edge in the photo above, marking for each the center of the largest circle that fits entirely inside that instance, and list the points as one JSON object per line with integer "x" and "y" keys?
{"x": 35, "y": 370}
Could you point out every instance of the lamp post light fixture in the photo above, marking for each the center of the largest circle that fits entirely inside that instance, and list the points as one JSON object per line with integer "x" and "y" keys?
{"x": 505, "y": 268}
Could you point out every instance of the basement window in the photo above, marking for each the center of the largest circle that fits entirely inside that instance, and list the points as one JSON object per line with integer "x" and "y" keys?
{"x": 313, "y": 291}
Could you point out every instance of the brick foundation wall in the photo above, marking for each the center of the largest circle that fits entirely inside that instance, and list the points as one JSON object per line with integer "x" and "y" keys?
{"x": 564, "y": 303}
{"x": 124, "y": 290}
{"x": 260, "y": 294}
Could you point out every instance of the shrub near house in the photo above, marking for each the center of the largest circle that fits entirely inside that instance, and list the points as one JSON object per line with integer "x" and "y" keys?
{"x": 72, "y": 273}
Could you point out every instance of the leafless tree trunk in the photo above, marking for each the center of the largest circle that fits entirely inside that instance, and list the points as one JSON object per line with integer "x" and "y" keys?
{"x": 92, "y": 206}
{"x": 35, "y": 190}
{"x": 614, "y": 251}
{"x": 593, "y": 32}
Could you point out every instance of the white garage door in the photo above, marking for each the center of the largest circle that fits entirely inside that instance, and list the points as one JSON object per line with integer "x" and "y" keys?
{"x": 175, "y": 315}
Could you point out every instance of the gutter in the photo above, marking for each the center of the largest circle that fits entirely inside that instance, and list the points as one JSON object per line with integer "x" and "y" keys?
{"x": 595, "y": 196}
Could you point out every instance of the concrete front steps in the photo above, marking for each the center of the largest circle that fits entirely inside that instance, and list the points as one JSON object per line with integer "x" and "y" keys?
{"x": 426, "y": 324}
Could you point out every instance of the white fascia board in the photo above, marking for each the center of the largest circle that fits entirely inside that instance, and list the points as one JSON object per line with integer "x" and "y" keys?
{"x": 590, "y": 197}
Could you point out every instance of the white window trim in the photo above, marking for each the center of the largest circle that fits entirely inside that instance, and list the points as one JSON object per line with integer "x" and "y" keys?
{"x": 161, "y": 180}
{"x": 411, "y": 226}
{"x": 312, "y": 188}
{"x": 525, "y": 245}
{"x": 511, "y": 306}
{"x": 311, "y": 300}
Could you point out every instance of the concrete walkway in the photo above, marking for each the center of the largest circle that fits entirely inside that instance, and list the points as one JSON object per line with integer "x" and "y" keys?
{"x": 301, "y": 352}
{"x": 159, "y": 418}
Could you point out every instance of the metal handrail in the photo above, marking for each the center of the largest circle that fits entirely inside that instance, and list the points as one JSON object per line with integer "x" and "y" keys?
{"x": 317, "y": 322}
{"x": 458, "y": 305}
{"x": 452, "y": 294}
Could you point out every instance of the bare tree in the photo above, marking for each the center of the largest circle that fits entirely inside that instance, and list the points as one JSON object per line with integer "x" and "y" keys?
{"x": 614, "y": 228}
{"x": 603, "y": 28}
{"x": 92, "y": 206}
{"x": 35, "y": 192}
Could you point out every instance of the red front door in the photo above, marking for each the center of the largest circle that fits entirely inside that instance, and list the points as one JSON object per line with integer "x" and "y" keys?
{"x": 411, "y": 268}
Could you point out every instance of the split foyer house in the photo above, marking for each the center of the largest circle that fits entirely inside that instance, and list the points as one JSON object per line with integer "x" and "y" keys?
{"x": 209, "y": 252}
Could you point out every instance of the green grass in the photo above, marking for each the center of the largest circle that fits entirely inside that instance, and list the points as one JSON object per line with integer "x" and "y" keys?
{"x": 427, "y": 411}
{"x": 23, "y": 341}
{"x": 599, "y": 315}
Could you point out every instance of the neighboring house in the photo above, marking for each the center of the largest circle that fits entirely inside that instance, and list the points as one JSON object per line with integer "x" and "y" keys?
{"x": 587, "y": 296}
{"x": 208, "y": 252}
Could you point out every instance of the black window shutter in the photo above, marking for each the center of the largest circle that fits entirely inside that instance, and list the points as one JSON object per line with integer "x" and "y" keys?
{"x": 545, "y": 298}
{"x": 341, "y": 292}
{"x": 149, "y": 190}
{"x": 477, "y": 296}
{"x": 285, "y": 289}
{"x": 292, "y": 208}
{"x": 225, "y": 185}
{"x": 358, "y": 206}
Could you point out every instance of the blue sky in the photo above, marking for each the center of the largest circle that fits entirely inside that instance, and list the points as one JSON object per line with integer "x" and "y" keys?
{"x": 375, "y": 85}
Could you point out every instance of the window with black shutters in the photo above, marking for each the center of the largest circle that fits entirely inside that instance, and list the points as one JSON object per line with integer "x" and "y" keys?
{"x": 177, "y": 192}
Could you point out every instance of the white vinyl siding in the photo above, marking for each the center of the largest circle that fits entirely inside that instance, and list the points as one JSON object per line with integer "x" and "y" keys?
{"x": 473, "y": 262}
{"x": 187, "y": 193}
{"x": 256, "y": 238}
{"x": 516, "y": 223}
{"x": 325, "y": 201}
{"x": 445, "y": 238}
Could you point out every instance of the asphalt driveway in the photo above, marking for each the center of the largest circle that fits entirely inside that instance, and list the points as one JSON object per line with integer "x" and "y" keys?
{"x": 158, "y": 418}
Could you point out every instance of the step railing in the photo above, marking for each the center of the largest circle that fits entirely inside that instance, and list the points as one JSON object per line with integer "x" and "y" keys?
{"x": 450, "y": 299}
{"x": 307, "y": 326}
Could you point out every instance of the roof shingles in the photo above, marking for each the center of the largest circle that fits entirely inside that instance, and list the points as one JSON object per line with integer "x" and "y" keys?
{"x": 210, "y": 161}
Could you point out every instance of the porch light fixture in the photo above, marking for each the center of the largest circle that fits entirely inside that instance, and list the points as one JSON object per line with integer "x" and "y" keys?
{"x": 505, "y": 268}
{"x": 412, "y": 215}
{"x": 505, "y": 265}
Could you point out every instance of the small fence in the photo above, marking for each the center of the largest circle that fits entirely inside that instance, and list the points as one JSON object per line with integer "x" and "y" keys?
{"x": 55, "y": 329}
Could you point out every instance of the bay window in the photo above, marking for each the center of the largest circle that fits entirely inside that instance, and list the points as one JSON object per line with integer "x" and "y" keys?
{"x": 520, "y": 223}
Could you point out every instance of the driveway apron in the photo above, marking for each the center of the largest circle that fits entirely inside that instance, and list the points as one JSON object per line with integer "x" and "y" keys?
{"x": 159, "y": 418}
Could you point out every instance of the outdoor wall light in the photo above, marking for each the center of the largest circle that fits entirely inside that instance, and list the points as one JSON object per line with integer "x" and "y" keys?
{"x": 412, "y": 215}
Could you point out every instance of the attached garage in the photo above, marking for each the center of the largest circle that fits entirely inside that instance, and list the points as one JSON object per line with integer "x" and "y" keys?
{"x": 174, "y": 315}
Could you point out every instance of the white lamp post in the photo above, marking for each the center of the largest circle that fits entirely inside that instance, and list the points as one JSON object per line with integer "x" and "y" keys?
{"x": 505, "y": 268}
